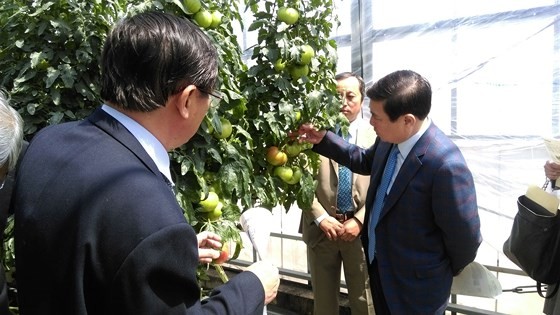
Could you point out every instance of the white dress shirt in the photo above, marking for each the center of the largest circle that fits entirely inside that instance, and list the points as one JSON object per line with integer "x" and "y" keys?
{"x": 149, "y": 142}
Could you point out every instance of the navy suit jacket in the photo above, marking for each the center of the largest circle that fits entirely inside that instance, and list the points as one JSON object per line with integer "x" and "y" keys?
{"x": 429, "y": 228}
{"x": 98, "y": 231}
{"x": 5, "y": 212}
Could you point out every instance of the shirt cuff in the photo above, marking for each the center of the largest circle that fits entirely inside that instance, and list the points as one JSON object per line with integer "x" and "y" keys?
{"x": 321, "y": 218}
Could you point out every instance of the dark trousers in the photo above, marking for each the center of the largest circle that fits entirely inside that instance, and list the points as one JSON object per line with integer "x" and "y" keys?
{"x": 379, "y": 301}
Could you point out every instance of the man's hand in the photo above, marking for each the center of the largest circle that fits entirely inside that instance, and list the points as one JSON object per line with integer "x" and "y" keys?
{"x": 352, "y": 229}
{"x": 307, "y": 132}
{"x": 209, "y": 245}
{"x": 552, "y": 170}
{"x": 331, "y": 227}
{"x": 268, "y": 274}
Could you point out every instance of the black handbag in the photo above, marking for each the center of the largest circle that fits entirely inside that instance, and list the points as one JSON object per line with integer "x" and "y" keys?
{"x": 534, "y": 243}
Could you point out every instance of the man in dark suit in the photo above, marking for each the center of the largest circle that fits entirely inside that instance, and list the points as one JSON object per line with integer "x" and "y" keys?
{"x": 423, "y": 227}
{"x": 11, "y": 144}
{"x": 98, "y": 228}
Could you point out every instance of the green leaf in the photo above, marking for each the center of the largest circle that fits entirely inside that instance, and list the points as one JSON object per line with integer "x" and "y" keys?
{"x": 180, "y": 5}
{"x": 56, "y": 117}
{"x": 31, "y": 107}
{"x": 52, "y": 75}
{"x": 215, "y": 154}
{"x": 256, "y": 25}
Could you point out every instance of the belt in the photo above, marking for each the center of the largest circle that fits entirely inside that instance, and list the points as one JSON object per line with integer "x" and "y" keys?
{"x": 342, "y": 217}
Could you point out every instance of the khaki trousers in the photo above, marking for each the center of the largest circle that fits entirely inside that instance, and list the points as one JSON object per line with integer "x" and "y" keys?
{"x": 325, "y": 261}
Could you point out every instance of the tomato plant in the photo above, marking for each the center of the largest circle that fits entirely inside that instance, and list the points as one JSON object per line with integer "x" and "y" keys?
{"x": 291, "y": 81}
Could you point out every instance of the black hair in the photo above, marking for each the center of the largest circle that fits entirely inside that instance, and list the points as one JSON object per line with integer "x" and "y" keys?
{"x": 151, "y": 56}
{"x": 346, "y": 75}
{"x": 403, "y": 92}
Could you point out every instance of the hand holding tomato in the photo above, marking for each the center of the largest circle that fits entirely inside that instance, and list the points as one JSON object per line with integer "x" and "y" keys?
{"x": 209, "y": 245}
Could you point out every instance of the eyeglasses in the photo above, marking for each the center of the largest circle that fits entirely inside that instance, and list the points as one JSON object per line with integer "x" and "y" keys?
{"x": 214, "y": 94}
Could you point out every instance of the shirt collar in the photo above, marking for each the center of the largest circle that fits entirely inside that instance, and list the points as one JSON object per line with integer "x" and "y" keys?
{"x": 354, "y": 126}
{"x": 406, "y": 146}
{"x": 149, "y": 142}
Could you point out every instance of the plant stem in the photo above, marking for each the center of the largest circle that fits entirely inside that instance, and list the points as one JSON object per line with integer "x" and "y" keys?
{"x": 221, "y": 273}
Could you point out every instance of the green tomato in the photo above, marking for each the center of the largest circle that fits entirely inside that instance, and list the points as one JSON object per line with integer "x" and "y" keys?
{"x": 279, "y": 65}
{"x": 307, "y": 54}
{"x": 43, "y": 64}
{"x": 203, "y": 18}
{"x": 296, "y": 176}
{"x": 192, "y": 6}
{"x": 292, "y": 149}
{"x": 216, "y": 213}
{"x": 210, "y": 202}
{"x": 299, "y": 71}
{"x": 226, "y": 129}
{"x": 216, "y": 19}
{"x": 288, "y": 15}
{"x": 284, "y": 172}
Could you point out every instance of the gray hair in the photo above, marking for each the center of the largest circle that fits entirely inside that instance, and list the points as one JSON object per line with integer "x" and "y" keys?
{"x": 11, "y": 133}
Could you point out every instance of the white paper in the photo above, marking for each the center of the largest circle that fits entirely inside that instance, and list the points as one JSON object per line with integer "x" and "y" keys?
{"x": 256, "y": 223}
{"x": 476, "y": 280}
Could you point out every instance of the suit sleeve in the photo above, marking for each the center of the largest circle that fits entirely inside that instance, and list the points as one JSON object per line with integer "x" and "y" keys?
{"x": 456, "y": 213}
{"x": 357, "y": 159}
{"x": 158, "y": 277}
{"x": 317, "y": 209}
{"x": 366, "y": 139}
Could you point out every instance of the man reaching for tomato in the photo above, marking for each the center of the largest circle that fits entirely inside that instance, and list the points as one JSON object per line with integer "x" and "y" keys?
{"x": 98, "y": 227}
{"x": 332, "y": 227}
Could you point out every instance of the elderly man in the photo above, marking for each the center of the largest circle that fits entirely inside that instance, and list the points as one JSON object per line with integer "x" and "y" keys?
{"x": 11, "y": 140}
{"x": 332, "y": 228}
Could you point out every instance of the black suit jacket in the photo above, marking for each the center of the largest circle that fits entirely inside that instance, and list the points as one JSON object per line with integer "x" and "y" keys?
{"x": 5, "y": 212}
{"x": 98, "y": 231}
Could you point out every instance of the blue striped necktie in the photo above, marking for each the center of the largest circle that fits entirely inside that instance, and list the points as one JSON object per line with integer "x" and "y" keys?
{"x": 380, "y": 199}
{"x": 344, "y": 192}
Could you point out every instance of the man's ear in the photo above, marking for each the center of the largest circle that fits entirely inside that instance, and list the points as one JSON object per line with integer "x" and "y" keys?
{"x": 409, "y": 120}
{"x": 184, "y": 100}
